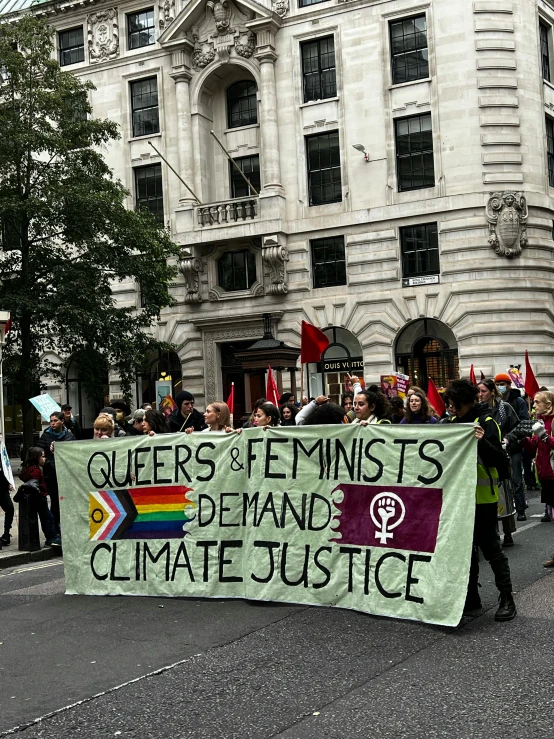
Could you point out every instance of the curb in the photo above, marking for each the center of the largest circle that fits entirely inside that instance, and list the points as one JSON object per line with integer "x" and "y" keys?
{"x": 21, "y": 558}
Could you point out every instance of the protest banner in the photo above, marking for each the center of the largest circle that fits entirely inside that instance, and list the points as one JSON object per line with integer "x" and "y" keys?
{"x": 45, "y": 405}
{"x": 376, "y": 518}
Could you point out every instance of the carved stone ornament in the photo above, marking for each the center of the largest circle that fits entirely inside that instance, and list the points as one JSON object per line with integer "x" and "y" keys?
{"x": 276, "y": 257}
{"x": 281, "y": 7}
{"x": 221, "y": 33}
{"x": 103, "y": 35}
{"x": 167, "y": 13}
{"x": 507, "y": 216}
{"x": 191, "y": 267}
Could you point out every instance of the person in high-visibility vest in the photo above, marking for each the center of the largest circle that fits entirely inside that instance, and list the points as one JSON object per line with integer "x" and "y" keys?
{"x": 461, "y": 396}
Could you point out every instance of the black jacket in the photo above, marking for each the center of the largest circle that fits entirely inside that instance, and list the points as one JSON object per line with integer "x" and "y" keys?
{"x": 176, "y": 421}
{"x": 518, "y": 404}
{"x": 489, "y": 447}
{"x": 44, "y": 442}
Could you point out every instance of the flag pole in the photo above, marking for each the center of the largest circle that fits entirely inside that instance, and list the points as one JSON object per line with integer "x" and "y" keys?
{"x": 301, "y": 383}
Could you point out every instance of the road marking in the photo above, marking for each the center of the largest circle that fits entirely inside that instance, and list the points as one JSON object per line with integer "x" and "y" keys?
{"x": 524, "y": 528}
{"x": 31, "y": 569}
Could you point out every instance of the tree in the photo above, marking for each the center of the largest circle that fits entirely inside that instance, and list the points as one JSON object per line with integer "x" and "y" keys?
{"x": 67, "y": 236}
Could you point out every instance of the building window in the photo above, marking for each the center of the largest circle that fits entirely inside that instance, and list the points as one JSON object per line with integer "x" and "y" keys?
{"x": 307, "y": 3}
{"x": 420, "y": 250}
{"x": 324, "y": 178}
{"x": 144, "y": 106}
{"x": 141, "y": 29}
{"x": 149, "y": 190}
{"x": 414, "y": 153}
{"x": 545, "y": 32}
{"x": 550, "y": 149}
{"x": 236, "y": 270}
{"x": 72, "y": 46}
{"x": 318, "y": 69}
{"x": 251, "y": 168}
{"x": 409, "y": 52}
{"x": 329, "y": 262}
{"x": 242, "y": 104}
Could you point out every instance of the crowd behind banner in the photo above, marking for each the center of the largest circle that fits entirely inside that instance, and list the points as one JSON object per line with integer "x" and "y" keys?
{"x": 515, "y": 444}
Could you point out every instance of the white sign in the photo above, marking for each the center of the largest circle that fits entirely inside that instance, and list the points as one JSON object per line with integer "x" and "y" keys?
{"x": 415, "y": 281}
{"x": 45, "y": 405}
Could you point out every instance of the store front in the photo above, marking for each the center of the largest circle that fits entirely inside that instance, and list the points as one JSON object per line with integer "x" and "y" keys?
{"x": 342, "y": 357}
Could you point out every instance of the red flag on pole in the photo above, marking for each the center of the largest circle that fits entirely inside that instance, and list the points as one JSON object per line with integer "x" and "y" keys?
{"x": 531, "y": 385}
{"x": 472, "y": 377}
{"x": 272, "y": 392}
{"x": 435, "y": 398}
{"x": 8, "y": 326}
{"x": 313, "y": 343}
{"x": 231, "y": 398}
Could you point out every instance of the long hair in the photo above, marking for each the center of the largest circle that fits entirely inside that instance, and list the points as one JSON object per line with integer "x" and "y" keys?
{"x": 548, "y": 398}
{"x": 273, "y": 412}
{"x": 382, "y": 407}
{"x": 224, "y": 414}
{"x": 33, "y": 457}
{"x": 425, "y": 411}
{"x": 491, "y": 387}
{"x": 156, "y": 421}
{"x": 293, "y": 412}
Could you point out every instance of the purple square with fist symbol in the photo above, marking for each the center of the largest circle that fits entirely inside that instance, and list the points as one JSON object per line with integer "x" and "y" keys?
{"x": 393, "y": 516}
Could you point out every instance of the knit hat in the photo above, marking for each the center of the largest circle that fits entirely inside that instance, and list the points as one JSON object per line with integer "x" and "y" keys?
{"x": 503, "y": 377}
{"x": 183, "y": 395}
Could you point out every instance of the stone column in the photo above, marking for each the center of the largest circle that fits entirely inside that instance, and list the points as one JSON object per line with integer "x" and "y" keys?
{"x": 181, "y": 76}
{"x": 265, "y": 30}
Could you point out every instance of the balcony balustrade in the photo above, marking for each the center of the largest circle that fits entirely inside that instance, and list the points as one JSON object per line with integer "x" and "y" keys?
{"x": 227, "y": 212}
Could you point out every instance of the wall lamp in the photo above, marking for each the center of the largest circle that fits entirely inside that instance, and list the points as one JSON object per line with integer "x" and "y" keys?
{"x": 361, "y": 147}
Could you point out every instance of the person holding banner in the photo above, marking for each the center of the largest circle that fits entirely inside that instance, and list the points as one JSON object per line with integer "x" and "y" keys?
{"x": 268, "y": 415}
{"x": 491, "y": 464}
{"x": 217, "y": 417}
{"x": 371, "y": 407}
{"x": 186, "y": 416}
{"x": 154, "y": 423}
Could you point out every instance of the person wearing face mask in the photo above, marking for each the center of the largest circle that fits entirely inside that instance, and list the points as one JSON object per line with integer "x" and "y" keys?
{"x": 122, "y": 411}
{"x": 418, "y": 409}
{"x": 512, "y": 396}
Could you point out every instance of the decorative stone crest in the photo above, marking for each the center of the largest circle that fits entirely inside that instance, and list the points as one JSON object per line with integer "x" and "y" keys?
{"x": 167, "y": 13}
{"x": 103, "y": 35}
{"x": 281, "y": 7}
{"x": 507, "y": 215}
{"x": 276, "y": 257}
{"x": 221, "y": 33}
{"x": 190, "y": 268}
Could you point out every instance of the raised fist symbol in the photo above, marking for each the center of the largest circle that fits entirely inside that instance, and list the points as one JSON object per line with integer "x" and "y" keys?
{"x": 386, "y": 510}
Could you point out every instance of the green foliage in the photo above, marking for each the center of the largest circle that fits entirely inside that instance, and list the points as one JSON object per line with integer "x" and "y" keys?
{"x": 67, "y": 235}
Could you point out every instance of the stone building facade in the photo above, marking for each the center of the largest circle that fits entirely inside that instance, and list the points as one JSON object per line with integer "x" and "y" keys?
{"x": 401, "y": 157}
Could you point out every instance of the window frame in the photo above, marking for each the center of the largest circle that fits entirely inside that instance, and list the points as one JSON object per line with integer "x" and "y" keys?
{"x": 64, "y": 49}
{"x": 250, "y": 97}
{"x": 132, "y": 34}
{"x": 235, "y": 178}
{"x": 545, "y": 40}
{"x": 320, "y": 70}
{"x": 435, "y": 269}
{"x": 324, "y": 243}
{"x": 394, "y": 56}
{"x": 311, "y": 172}
{"x": 142, "y": 203}
{"x": 549, "y": 124}
{"x": 400, "y": 157}
{"x": 249, "y": 283}
{"x": 138, "y": 110}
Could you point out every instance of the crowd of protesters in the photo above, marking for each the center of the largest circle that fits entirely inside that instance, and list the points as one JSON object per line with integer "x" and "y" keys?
{"x": 511, "y": 439}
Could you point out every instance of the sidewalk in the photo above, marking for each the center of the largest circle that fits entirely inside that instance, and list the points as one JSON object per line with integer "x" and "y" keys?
{"x": 10, "y": 556}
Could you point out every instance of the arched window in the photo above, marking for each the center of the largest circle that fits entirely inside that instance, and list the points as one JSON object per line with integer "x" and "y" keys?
{"x": 242, "y": 104}
{"x": 427, "y": 348}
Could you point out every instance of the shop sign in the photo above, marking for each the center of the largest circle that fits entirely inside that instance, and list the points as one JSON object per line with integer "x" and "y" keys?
{"x": 343, "y": 365}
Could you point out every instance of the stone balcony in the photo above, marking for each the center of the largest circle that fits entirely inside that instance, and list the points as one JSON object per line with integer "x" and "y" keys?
{"x": 227, "y": 212}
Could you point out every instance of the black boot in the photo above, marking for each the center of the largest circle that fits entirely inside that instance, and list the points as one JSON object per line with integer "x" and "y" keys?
{"x": 507, "y": 607}
{"x": 508, "y": 541}
{"x": 472, "y": 604}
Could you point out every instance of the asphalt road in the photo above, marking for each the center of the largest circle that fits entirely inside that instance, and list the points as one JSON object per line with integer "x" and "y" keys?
{"x": 142, "y": 668}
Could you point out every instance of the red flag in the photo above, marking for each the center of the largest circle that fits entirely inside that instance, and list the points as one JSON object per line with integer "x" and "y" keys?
{"x": 231, "y": 398}
{"x": 313, "y": 343}
{"x": 435, "y": 398}
{"x": 531, "y": 385}
{"x": 8, "y": 325}
{"x": 472, "y": 377}
{"x": 272, "y": 393}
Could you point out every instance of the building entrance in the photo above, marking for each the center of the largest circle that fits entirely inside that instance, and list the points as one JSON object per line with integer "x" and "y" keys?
{"x": 425, "y": 349}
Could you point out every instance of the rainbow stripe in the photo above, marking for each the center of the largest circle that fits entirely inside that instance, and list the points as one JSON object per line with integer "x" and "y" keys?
{"x": 153, "y": 512}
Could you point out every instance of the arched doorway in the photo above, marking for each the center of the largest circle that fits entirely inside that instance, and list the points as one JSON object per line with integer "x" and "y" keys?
{"x": 163, "y": 367}
{"x": 427, "y": 348}
{"x": 343, "y": 356}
